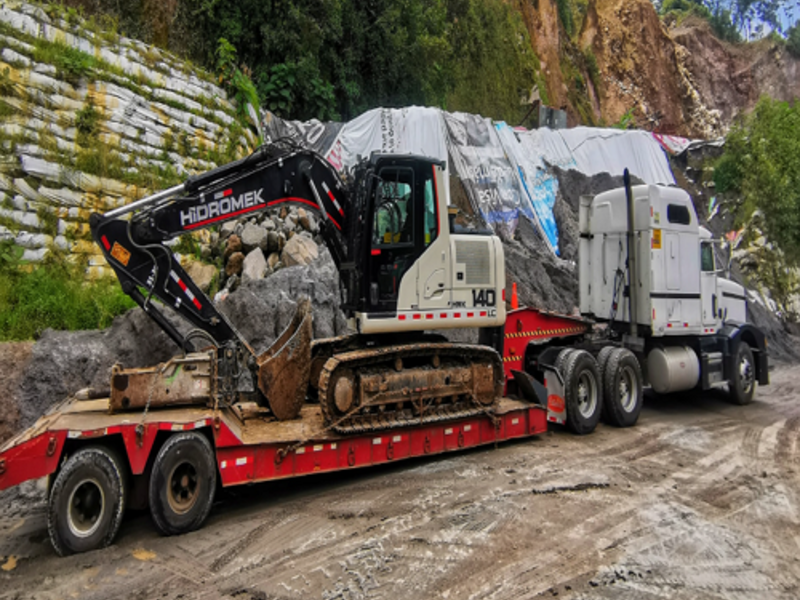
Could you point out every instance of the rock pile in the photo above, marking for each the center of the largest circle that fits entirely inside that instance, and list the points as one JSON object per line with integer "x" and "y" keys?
{"x": 254, "y": 248}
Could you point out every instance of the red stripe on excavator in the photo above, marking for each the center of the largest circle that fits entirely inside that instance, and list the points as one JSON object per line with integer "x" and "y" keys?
{"x": 106, "y": 245}
{"x": 181, "y": 285}
{"x": 227, "y": 192}
{"x": 196, "y": 302}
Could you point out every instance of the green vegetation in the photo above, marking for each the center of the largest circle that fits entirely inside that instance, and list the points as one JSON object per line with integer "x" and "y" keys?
{"x": 565, "y": 16}
{"x": 87, "y": 121}
{"x": 793, "y": 40}
{"x": 625, "y": 120}
{"x": 334, "y": 59}
{"x": 761, "y": 164}
{"x": 53, "y": 295}
{"x": 237, "y": 81}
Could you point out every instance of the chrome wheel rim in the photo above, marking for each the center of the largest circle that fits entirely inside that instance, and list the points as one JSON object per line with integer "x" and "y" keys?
{"x": 85, "y": 508}
{"x": 746, "y": 376}
{"x": 628, "y": 390}
{"x": 587, "y": 394}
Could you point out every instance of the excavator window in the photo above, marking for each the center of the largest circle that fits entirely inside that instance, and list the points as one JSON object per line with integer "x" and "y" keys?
{"x": 394, "y": 210}
{"x": 431, "y": 225}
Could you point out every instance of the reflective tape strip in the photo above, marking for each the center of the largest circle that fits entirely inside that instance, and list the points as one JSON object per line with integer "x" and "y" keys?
{"x": 332, "y": 197}
{"x": 241, "y": 461}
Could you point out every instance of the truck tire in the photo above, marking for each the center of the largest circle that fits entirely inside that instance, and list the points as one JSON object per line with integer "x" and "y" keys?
{"x": 561, "y": 359}
{"x": 583, "y": 395}
{"x": 183, "y": 483}
{"x": 602, "y": 360}
{"x": 622, "y": 388}
{"x": 742, "y": 386}
{"x": 87, "y": 501}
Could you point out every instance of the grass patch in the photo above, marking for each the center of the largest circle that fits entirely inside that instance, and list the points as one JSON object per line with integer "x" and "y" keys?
{"x": 53, "y": 295}
{"x": 6, "y": 110}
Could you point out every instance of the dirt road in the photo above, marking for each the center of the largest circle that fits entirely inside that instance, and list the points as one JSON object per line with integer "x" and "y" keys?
{"x": 700, "y": 500}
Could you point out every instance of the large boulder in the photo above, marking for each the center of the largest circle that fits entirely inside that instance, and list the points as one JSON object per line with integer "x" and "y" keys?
{"x": 255, "y": 266}
{"x": 274, "y": 300}
{"x": 254, "y": 236}
{"x": 201, "y": 274}
{"x": 299, "y": 250}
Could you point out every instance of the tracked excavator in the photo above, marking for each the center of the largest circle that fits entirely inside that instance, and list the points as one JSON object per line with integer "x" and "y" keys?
{"x": 404, "y": 275}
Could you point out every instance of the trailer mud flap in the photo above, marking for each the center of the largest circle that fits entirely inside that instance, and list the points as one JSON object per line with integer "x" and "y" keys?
{"x": 556, "y": 408}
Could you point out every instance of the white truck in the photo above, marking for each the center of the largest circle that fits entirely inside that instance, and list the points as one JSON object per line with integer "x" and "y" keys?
{"x": 642, "y": 253}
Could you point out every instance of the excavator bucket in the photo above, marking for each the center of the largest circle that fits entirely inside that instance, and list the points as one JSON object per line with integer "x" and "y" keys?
{"x": 284, "y": 369}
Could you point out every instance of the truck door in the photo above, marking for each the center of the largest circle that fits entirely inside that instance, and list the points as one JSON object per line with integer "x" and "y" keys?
{"x": 708, "y": 285}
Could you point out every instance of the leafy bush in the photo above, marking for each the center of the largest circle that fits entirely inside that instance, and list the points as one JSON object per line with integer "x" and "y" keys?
{"x": 236, "y": 80}
{"x": 762, "y": 163}
{"x": 53, "y": 295}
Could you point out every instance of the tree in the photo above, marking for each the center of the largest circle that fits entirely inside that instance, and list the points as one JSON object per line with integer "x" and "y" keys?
{"x": 762, "y": 163}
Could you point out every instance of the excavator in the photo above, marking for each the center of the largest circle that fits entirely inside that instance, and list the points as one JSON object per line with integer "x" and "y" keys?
{"x": 404, "y": 275}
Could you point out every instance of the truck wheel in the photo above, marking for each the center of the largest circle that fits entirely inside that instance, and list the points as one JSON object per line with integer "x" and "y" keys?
{"x": 622, "y": 388}
{"x": 561, "y": 359}
{"x": 582, "y": 392}
{"x": 742, "y": 386}
{"x": 87, "y": 501}
{"x": 602, "y": 360}
{"x": 183, "y": 483}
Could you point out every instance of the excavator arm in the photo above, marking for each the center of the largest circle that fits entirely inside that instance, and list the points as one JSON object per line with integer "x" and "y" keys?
{"x": 147, "y": 269}
{"x": 272, "y": 176}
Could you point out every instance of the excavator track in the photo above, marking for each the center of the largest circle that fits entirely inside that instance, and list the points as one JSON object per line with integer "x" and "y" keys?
{"x": 371, "y": 389}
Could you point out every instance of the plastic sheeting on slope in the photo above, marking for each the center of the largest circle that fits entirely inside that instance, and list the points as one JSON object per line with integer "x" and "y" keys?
{"x": 491, "y": 181}
{"x": 506, "y": 172}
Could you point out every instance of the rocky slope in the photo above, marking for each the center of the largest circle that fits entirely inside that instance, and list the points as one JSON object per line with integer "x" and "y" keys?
{"x": 676, "y": 79}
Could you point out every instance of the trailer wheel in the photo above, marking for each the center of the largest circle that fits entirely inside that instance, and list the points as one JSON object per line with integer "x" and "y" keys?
{"x": 582, "y": 392}
{"x": 622, "y": 388}
{"x": 183, "y": 483}
{"x": 742, "y": 387}
{"x": 87, "y": 501}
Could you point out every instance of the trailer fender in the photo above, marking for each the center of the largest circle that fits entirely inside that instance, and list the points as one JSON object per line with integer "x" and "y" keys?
{"x": 138, "y": 445}
{"x": 31, "y": 459}
{"x": 735, "y": 333}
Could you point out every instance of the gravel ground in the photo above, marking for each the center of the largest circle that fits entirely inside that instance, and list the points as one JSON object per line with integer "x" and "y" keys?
{"x": 700, "y": 500}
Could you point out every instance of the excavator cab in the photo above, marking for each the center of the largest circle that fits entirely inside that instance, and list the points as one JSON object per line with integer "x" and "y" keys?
{"x": 415, "y": 274}
{"x": 403, "y": 224}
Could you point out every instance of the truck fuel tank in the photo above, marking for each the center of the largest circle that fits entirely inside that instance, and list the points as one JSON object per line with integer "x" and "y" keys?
{"x": 673, "y": 369}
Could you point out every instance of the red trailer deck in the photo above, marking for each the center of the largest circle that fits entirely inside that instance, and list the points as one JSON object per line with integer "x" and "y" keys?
{"x": 252, "y": 448}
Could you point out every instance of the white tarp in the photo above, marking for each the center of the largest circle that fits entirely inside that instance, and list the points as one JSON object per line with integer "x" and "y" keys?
{"x": 412, "y": 130}
{"x": 506, "y": 172}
